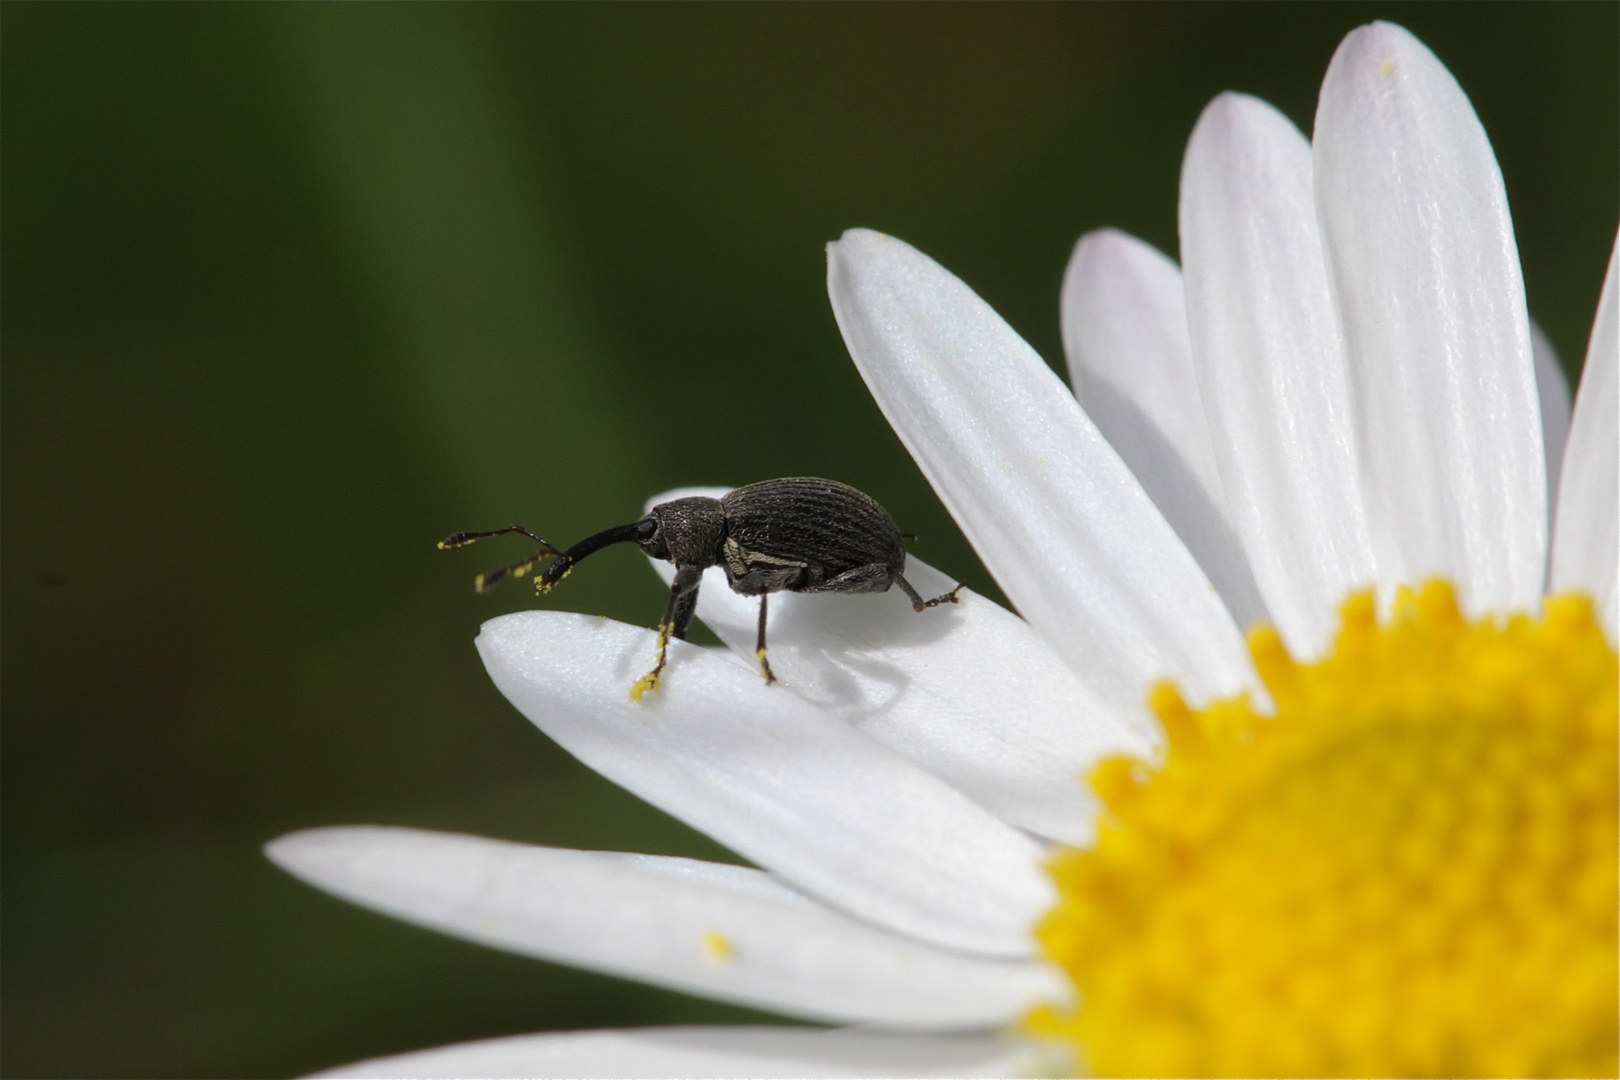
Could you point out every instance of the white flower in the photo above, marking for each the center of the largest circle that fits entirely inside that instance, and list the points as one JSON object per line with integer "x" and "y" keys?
{"x": 1338, "y": 391}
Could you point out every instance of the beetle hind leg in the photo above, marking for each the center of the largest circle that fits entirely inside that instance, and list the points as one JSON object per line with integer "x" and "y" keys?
{"x": 759, "y": 648}
{"x": 918, "y": 604}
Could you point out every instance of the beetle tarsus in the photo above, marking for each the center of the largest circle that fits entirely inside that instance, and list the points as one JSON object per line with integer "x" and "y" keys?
{"x": 649, "y": 681}
{"x": 945, "y": 598}
{"x": 918, "y": 604}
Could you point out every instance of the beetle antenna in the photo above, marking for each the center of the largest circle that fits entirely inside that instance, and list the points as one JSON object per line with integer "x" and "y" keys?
{"x": 462, "y": 539}
{"x": 485, "y": 582}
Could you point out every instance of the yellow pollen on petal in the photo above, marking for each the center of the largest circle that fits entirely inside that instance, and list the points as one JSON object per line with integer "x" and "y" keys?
{"x": 716, "y": 946}
{"x": 1408, "y": 868}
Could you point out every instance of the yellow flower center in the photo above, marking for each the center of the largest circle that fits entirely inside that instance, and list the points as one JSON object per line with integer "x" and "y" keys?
{"x": 1407, "y": 868}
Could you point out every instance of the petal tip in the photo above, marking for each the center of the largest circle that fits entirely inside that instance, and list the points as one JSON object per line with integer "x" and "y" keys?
{"x": 1230, "y": 103}
{"x": 1236, "y": 131}
{"x": 863, "y": 249}
{"x": 306, "y": 851}
{"x": 1104, "y": 241}
{"x": 858, "y": 239}
{"x": 1111, "y": 255}
{"x": 1383, "y": 47}
{"x": 503, "y": 631}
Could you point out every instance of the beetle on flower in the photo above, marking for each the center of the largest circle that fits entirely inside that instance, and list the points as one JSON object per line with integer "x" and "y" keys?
{"x": 798, "y": 534}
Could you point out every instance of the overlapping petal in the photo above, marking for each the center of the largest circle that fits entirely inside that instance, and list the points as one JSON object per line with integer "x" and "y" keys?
{"x": 1552, "y": 392}
{"x": 726, "y": 932}
{"x": 1130, "y": 363}
{"x": 712, "y": 1052}
{"x": 775, "y": 779}
{"x": 1054, "y": 513}
{"x": 934, "y": 686}
{"x": 1586, "y": 535}
{"x": 1266, "y": 348}
{"x": 1426, "y": 280}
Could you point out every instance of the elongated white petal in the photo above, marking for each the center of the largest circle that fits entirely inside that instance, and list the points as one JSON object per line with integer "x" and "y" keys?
{"x": 968, "y": 691}
{"x": 1270, "y": 364}
{"x": 724, "y": 932}
{"x": 1586, "y": 537}
{"x": 775, "y": 779}
{"x": 1426, "y": 278}
{"x": 1552, "y": 391}
{"x": 1130, "y": 363}
{"x": 1054, "y": 513}
{"x": 711, "y": 1052}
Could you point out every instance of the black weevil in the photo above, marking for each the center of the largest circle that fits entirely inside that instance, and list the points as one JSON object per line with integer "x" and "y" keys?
{"x": 799, "y": 534}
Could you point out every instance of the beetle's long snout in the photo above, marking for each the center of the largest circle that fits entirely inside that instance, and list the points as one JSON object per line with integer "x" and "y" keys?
{"x": 563, "y": 563}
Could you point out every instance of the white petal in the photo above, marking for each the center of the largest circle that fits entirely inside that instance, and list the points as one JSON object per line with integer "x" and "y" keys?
{"x": 775, "y": 779}
{"x": 1426, "y": 278}
{"x": 712, "y": 1052}
{"x": 725, "y": 932}
{"x": 968, "y": 691}
{"x": 1130, "y": 362}
{"x": 1586, "y": 538}
{"x": 1049, "y": 506}
{"x": 1270, "y": 365}
{"x": 1552, "y": 391}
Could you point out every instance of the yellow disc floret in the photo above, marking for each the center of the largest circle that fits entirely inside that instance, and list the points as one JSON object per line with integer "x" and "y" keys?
{"x": 1406, "y": 867}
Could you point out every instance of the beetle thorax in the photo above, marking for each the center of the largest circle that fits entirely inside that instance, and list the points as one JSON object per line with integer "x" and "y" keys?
{"x": 692, "y": 530}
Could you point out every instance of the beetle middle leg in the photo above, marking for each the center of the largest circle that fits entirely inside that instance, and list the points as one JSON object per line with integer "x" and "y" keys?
{"x": 759, "y": 647}
{"x": 683, "y": 593}
{"x": 918, "y": 603}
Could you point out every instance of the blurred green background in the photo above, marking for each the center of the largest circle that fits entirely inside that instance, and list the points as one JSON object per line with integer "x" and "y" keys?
{"x": 290, "y": 292}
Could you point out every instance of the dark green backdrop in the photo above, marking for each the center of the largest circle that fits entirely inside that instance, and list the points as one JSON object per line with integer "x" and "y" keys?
{"x": 289, "y": 292}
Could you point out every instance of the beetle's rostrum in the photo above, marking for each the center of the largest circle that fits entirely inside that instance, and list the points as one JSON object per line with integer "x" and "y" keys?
{"x": 797, "y": 534}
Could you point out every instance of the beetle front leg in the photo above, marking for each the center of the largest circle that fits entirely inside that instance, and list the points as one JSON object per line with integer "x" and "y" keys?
{"x": 684, "y": 607}
{"x": 759, "y": 648}
{"x": 677, "y": 617}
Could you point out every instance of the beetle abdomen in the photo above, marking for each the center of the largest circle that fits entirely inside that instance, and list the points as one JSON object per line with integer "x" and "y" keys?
{"x": 826, "y": 526}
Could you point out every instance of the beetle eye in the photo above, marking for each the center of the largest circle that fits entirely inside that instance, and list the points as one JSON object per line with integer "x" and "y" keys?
{"x": 646, "y": 528}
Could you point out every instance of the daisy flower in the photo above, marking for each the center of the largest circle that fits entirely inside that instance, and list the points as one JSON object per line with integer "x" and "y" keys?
{"x": 1384, "y": 841}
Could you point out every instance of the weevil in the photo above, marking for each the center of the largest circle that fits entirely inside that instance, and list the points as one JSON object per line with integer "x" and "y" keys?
{"x": 798, "y": 534}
